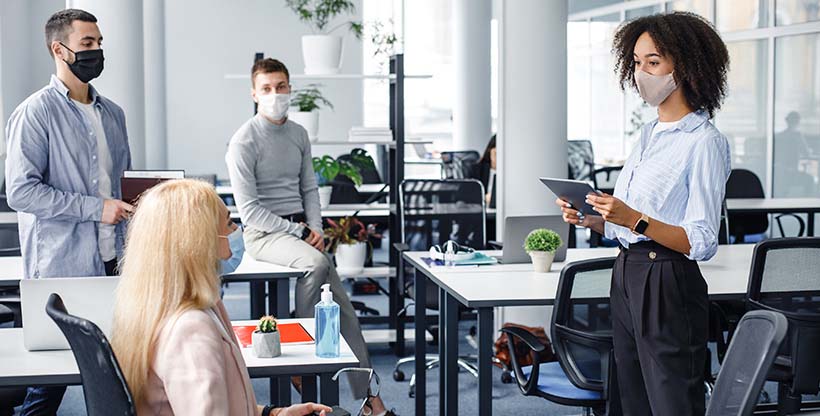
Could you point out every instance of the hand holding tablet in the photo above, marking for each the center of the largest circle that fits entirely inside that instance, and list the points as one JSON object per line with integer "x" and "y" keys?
{"x": 573, "y": 192}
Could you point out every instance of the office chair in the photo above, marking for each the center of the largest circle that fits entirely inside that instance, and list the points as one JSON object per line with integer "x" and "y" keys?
{"x": 459, "y": 164}
{"x": 104, "y": 386}
{"x": 744, "y": 183}
{"x": 750, "y": 356}
{"x": 783, "y": 278}
{"x": 10, "y": 298}
{"x": 581, "y": 167}
{"x": 433, "y": 212}
{"x": 344, "y": 190}
{"x": 582, "y": 339}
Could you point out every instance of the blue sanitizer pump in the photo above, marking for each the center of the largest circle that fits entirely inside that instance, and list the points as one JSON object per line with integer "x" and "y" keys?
{"x": 327, "y": 325}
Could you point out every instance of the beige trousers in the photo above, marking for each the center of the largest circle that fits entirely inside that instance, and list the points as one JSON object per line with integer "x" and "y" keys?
{"x": 288, "y": 250}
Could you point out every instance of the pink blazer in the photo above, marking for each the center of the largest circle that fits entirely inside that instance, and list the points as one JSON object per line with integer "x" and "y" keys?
{"x": 198, "y": 369}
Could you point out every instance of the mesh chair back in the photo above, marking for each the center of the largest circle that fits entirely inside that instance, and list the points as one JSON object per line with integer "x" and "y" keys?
{"x": 784, "y": 276}
{"x": 582, "y": 324}
{"x": 104, "y": 386}
{"x": 460, "y": 164}
{"x": 434, "y": 211}
{"x": 581, "y": 160}
{"x": 744, "y": 183}
{"x": 750, "y": 356}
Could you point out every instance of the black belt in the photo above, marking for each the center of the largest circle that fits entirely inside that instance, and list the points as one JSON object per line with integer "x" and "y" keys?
{"x": 297, "y": 217}
{"x": 650, "y": 251}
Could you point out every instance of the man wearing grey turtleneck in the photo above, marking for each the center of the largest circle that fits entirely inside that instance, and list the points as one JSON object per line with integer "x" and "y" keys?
{"x": 271, "y": 171}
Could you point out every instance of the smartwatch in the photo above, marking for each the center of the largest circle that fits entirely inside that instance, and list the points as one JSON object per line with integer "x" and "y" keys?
{"x": 641, "y": 225}
{"x": 305, "y": 233}
{"x": 266, "y": 411}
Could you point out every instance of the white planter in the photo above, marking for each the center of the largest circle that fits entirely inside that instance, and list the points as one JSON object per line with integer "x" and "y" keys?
{"x": 322, "y": 54}
{"x": 324, "y": 196}
{"x": 350, "y": 258}
{"x": 266, "y": 344}
{"x": 542, "y": 260}
{"x": 309, "y": 120}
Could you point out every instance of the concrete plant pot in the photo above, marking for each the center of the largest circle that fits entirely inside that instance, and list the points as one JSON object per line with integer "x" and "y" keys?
{"x": 542, "y": 260}
{"x": 266, "y": 344}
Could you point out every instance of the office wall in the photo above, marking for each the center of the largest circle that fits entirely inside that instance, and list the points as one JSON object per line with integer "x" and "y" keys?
{"x": 26, "y": 63}
{"x": 206, "y": 39}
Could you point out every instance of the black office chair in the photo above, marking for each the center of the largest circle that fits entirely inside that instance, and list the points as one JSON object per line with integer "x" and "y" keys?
{"x": 10, "y": 298}
{"x": 582, "y": 340}
{"x": 4, "y": 205}
{"x": 104, "y": 387}
{"x": 581, "y": 167}
{"x": 459, "y": 164}
{"x": 744, "y": 183}
{"x": 750, "y": 357}
{"x": 783, "y": 278}
{"x": 434, "y": 211}
{"x": 344, "y": 190}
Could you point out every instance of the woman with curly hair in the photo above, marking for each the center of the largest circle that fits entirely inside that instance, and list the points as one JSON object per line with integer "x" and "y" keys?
{"x": 665, "y": 212}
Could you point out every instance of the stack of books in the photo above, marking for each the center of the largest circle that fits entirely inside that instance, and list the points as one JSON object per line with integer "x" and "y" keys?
{"x": 370, "y": 134}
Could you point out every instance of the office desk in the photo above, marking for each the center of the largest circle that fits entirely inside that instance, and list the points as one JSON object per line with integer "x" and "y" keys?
{"x": 366, "y": 188}
{"x": 8, "y": 219}
{"x": 258, "y": 273}
{"x": 808, "y": 206}
{"x": 19, "y": 367}
{"x": 375, "y": 210}
{"x": 486, "y": 287}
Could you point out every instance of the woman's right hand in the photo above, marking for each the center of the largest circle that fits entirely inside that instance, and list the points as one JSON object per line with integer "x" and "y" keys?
{"x": 303, "y": 410}
{"x": 574, "y": 217}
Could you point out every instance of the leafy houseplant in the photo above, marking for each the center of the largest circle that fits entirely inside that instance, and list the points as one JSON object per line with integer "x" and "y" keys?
{"x": 265, "y": 339}
{"x": 327, "y": 169}
{"x": 348, "y": 239}
{"x": 308, "y": 100}
{"x": 541, "y": 244}
{"x": 384, "y": 41}
{"x": 321, "y": 51}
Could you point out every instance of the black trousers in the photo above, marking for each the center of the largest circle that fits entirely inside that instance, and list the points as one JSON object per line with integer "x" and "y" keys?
{"x": 660, "y": 326}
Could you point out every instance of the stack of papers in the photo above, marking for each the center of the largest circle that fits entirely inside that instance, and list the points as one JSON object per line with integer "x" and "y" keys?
{"x": 370, "y": 134}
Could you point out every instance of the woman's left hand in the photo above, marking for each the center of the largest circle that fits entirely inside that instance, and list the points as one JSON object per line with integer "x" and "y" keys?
{"x": 613, "y": 210}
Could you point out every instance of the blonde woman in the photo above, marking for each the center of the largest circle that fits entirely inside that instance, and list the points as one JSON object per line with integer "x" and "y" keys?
{"x": 171, "y": 333}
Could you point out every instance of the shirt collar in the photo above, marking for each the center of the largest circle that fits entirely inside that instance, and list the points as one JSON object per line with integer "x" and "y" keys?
{"x": 63, "y": 90}
{"x": 688, "y": 123}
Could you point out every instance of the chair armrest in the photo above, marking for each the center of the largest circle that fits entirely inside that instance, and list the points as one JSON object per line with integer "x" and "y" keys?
{"x": 401, "y": 247}
{"x": 528, "y": 386}
{"x": 495, "y": 245}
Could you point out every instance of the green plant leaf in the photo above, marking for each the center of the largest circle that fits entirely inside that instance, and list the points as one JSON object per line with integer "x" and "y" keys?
{"x": 327, "y": 167}
{"x": 542, "y": 239}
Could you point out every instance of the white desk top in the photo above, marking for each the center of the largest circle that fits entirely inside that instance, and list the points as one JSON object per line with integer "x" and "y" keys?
{"x": 11, "y": 270}
{"x": 8, "y": 218}
{"x": 516, "y": 284}
{"x": 772, "y": 204}
{"x": 19, "y": 367}
{"x": 341, "y": 210}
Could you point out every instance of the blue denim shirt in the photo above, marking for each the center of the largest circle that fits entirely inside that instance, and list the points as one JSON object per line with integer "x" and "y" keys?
{"x": 52, "y": 175}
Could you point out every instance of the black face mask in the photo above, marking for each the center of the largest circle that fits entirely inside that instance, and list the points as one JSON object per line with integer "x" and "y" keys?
{"x": 87, "y": 64}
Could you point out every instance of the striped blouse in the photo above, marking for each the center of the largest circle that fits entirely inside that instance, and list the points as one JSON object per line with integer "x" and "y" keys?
{"x": 677, "y": 176}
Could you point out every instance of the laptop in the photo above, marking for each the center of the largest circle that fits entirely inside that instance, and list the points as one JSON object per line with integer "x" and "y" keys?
{"x": 91, "y": 298}
{"x": 516, "y": 230}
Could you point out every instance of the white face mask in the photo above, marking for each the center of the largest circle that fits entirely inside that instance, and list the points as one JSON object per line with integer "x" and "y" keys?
{"x": 274, "y": 106}
{"x": 654, "y": 89}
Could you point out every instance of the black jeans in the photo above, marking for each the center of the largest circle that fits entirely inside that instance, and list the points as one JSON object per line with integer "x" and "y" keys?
{"x": 660, "y": 313}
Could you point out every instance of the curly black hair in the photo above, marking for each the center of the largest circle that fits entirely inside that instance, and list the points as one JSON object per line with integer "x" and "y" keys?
{"x": 700, "y": 57}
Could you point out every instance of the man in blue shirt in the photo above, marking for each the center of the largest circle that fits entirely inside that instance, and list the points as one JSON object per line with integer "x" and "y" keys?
{"x": 67, "y": 149}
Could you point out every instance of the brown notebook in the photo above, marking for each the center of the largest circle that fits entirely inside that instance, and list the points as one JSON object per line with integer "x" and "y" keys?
{"x": 134, "y": 183}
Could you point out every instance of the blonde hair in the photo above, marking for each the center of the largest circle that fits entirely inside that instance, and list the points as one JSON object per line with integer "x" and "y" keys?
{"x": 170, "y": 265}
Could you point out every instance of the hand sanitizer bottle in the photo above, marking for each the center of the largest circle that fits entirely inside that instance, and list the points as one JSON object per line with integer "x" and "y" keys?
{"x": 327, "y": 325}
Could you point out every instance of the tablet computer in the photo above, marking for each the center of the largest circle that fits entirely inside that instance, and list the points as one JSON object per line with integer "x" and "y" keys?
{"x": 574, "y": 192}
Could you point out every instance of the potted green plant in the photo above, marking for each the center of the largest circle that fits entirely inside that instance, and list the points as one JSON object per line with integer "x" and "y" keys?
{"x": 347, "y": 240}
{"x": 308, "y": 100}
{"x": 384, "y": 41}
{"x": 328, "y": 168}
{"x": 541, "y": 244}
{"x": 321, "y": 51}
{"x": 265, "y": 339}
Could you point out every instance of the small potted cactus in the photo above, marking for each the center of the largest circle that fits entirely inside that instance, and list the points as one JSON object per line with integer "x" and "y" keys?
{"x": 265, "y": 340}
{"x": 541, "y": 244}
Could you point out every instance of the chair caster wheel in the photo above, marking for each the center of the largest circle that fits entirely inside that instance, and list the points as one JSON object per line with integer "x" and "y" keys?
{"x": 506, "y": 377}
{"x": 398, "y": 375}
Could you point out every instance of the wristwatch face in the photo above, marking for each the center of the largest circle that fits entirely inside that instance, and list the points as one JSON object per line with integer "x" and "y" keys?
{"x": 305, "y": 233}
{"x": 640, "y": 228}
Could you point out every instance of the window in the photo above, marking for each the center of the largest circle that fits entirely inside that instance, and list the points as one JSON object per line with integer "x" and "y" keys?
{"x": 789, "y": 12}
{"x": 735, "y": 15}
{"x": 796, "y": 116}
{"x": 743, "y": 116}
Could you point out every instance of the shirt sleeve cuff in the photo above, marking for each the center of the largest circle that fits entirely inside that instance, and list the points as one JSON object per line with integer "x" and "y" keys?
{"x": 92, "y": 208}
{"x": 702, "y": 246}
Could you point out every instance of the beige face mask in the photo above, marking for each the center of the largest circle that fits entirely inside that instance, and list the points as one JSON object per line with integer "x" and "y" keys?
{"x": 654, "y": 89}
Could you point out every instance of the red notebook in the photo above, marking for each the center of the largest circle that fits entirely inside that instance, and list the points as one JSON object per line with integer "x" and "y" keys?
{"x": 290, "y": 333}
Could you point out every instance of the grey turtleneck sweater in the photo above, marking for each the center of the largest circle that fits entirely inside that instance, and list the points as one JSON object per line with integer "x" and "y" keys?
{"x": 271, "y": 173}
